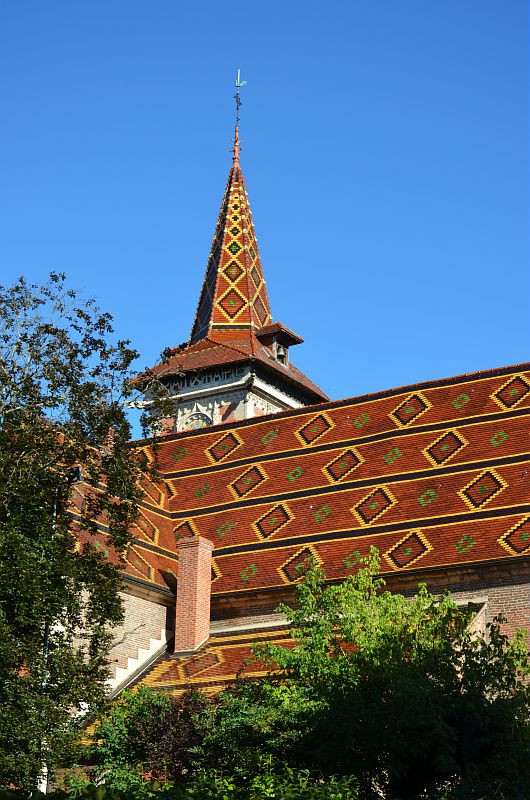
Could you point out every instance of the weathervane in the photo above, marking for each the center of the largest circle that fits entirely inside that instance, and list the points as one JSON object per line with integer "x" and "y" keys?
{"x": 237, "y": 97}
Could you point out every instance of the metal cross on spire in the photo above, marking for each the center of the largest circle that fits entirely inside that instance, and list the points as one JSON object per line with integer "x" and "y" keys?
{"x": 237, "y": 97}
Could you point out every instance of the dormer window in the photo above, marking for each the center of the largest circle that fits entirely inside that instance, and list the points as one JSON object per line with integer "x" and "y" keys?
{"x": 277, "y": 339}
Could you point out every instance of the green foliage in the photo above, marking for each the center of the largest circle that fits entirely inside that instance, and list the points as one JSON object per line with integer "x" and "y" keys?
{"x": 281, "y": 782}
{"x": 287, "y": 784}
{"x": 376, "y": 697}
{"x": 146, "y": 745}
{"x": 146, "y": 735}
{"x": 395, "y": 691}
{"x": 64, "y": 384}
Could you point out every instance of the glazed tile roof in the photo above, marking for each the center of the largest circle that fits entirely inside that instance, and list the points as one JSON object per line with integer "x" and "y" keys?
{"x": 281, "y": 330}
{"x": 233, "y": 295}
{"x": 435, "y": 475}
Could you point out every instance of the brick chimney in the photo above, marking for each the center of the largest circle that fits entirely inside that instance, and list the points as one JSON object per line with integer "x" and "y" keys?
{"x": 192, "y": 620}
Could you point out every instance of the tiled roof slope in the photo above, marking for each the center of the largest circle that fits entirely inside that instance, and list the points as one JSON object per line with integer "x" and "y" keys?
{"x": 216, "y": 665}
{"x": 435, "y": 475}
{"x": 241, "y": 347}
{"x": 150, "y": 558}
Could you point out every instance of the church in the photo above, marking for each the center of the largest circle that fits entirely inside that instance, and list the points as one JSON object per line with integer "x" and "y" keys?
{"x": 259, "y": 470}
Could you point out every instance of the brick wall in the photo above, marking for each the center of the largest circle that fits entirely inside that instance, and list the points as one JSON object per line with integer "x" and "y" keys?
{"x": 512, "y": 600}
{"x": 504, "y": 588}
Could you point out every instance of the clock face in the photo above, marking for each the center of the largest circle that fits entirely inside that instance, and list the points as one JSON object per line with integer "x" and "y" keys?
{"x": 196, "y": 421}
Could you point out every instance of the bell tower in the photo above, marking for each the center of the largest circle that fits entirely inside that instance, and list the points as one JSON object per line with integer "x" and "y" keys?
{"x": 236, "y": 363}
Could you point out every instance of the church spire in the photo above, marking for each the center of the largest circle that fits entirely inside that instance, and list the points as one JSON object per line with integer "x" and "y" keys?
{"x": 236, "y": 363}
{"x": 233, "y": 298}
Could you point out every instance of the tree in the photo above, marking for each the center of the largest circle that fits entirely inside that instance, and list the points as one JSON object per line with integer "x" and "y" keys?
{"x": 64, "y": 385}
{"x": 397, "y": 692}
{"x": 148, "y": 744}
{"x": 146, "y": 736}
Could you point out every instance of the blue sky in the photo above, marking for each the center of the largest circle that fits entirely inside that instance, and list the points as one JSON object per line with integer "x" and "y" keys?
{"x": 385, "y": 155}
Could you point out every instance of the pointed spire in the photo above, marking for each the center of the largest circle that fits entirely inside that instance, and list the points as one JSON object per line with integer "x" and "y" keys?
{"x": 233, "y": 324}
{"x": 233, "y": 297}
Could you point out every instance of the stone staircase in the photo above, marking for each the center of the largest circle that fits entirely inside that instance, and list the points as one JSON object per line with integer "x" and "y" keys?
{"x": 138, "y": 641}
{"x": 137, "y": 664}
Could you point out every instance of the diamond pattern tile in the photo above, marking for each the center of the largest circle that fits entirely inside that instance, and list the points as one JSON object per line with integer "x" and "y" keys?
{"x": 273, "y": 521}
{"x": 517, "y": 539}
{"x": 408, "y": 550}
{"x": 233, "y": 271}
{"x": 261, "y": 311}
{"x": 224, "y": 447}
{"x": 515, "y": 390}
{"x": 482, "y": 489}
{"x": 314, "y": 429}
{"x": 342, "y": 465}
{"x": 410, "y": 409}
{"x": 185, "y": 531}
{"x": 199, "y": 663}
{"x": 248, "y": 481}
{"x": 293, "y": 569}
{"x": 373, "y": 505}
{"x": 445, "y": 447}
{"x": 232, "y": 303}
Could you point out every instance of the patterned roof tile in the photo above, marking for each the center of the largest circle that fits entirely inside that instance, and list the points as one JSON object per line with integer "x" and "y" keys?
{"x": 451, "y": 485}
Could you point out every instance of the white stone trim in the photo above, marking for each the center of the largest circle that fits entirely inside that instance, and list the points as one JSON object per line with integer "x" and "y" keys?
{"x": 211, "y": 389}
{"x": 218, "y": 627}
{"x": 269, "y": 392}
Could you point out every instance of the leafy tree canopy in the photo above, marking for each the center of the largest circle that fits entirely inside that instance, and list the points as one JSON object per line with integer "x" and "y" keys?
{"x": 146, "y": 736}
{"x": 397, "y": 692}
{"x": 64, "y": 385}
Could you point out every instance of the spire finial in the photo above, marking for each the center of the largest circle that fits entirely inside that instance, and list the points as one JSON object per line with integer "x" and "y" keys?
{"x": 237, "y": 97}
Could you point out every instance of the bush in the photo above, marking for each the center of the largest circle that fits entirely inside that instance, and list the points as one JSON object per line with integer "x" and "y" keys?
{"x": 397, "y": 692}
{"x": 378, "y": 697}
{"x": 286, "y": 784}
{"x": 146, "y": 736}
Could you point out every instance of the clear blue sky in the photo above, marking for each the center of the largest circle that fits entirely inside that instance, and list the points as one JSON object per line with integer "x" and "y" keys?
{"x": 385, "y": 158}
